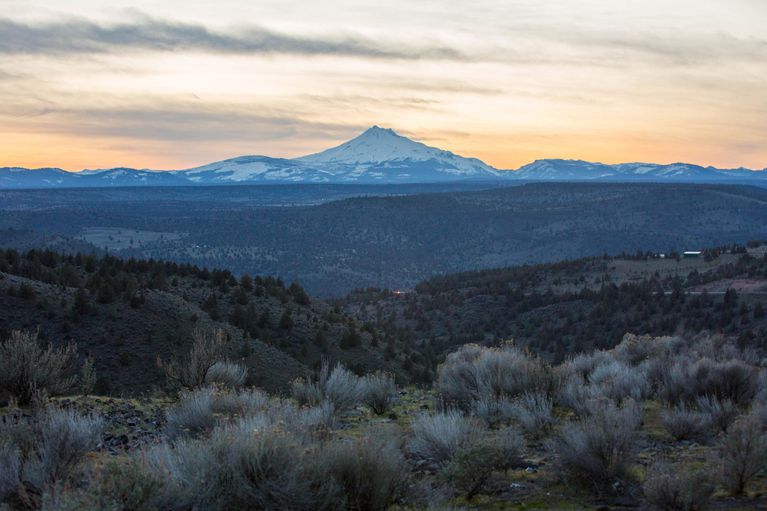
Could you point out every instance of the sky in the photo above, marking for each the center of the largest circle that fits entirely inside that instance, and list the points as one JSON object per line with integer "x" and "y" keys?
{"x": 172, "y": 84}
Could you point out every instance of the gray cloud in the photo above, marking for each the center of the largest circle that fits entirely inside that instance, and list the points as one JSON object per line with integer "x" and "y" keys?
{"x": 178, "y": 122}
{"x": 657, "y": 45}
{"x": 82, "y": 36}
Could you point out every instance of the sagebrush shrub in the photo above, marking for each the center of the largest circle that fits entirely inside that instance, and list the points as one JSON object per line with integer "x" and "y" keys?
{"x": 492, "y": 411}
{"x": 339, "y": 386}
{"x": 743, "y": 454}
{"x": 676, "y": 488}
{"x": 226, "y": 374}
{"x": 437, "y": 437}
{"x": 87, "y": 376}
{"x": 628, "y": 382}
{"x": 635, "y": 349}
{"x": 685, "y": 423}
{"x": 191, "y": 371}
{"x": 475, "y": 374}
{"x": 241, "y": 403}
{"x": 342, "y": 388}
{"x": 576, "y": 396}
{"x": 27, "y": 367}
{"x": 759, "y": 413}
{"x": 128, "y": 485}
{"x": 370, "y": 472}
{"x": 471, "y": 467}
{"x": 235, "y": 468}
{"x": 40, "y": 455}
{"x": 722, "y": 412}
{"x": 315, "y": 421}
{"x": 378, "y": 391}
{"x": 688, "y": 379}
{"x": 10, "y": 469}
{"x": 533, "y": 413}
{"x": 303, "y": 422}
{"x": 583, "y": 364}
{"x": 193, "y": 414}
{"x": 306, "y": 392}
{"x": 199, "y": 411}
{"x": 598, "y": 449}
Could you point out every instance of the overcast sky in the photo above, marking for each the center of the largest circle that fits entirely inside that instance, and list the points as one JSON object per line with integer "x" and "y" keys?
{"x": 171, "y": 84}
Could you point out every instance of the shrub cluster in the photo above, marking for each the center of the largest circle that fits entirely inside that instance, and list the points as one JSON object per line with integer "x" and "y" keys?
{"x": 28, "y": 368}
{"x": 41, "y": 453}
{"x": 598, "y": 449}
{"x": 232, "y": 447}
{"x": 345, "y": 390}
{"x": 675, "y": 488}
{"x": 487, "y": 381}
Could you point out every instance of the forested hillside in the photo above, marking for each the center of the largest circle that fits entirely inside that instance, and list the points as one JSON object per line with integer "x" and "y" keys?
{"x": 389, "y": 242}
{"x": 126, "y": 313}
{"x": 566, "y": 308}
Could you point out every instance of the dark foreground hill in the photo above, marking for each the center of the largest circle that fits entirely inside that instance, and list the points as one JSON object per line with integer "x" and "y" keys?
{"x": 394, "y": 241}
{"x": 125, "y": 314}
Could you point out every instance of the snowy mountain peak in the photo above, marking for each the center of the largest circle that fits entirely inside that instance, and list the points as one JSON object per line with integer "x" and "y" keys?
{"x": 374, "y": 145}
{"x": 381, "y": 154}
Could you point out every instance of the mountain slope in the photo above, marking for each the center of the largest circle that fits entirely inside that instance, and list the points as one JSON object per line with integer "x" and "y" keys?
{"x": 579, "y": 170}
{"x": 381, "y": 155}
{"x": 377, "y": 156}
{"x": 250, "y": 169}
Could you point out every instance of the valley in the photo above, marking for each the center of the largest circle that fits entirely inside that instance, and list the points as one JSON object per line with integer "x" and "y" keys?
{"x": 332, "y": 239}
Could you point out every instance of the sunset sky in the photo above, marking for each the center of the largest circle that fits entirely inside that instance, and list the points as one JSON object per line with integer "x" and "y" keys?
{"x": 171, "y": 84}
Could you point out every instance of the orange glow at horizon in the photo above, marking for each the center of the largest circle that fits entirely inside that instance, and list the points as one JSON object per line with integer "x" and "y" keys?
{"x": 505, "y": 82}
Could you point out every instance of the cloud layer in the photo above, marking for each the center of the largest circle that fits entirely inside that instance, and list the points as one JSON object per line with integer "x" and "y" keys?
{"x": 87, "y": 83}
{"x": 149, "y": 34}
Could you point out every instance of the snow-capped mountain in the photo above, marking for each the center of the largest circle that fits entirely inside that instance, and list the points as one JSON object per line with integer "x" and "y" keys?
{"x": 378, "y": 155}
{"x": 563, "y": 170}
{"x": 16, "y": 177}
{"x": 579, "y": 170}
{"x": 250, "y": 169}
{"x": 381, "y": 155}
{"x": 19, "y": 177}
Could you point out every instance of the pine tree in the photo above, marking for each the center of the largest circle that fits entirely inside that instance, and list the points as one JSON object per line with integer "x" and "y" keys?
{"x": 210, "y": 305}
{"x": 351, "y": 339}
{"x": 82, "y": 303}
{"x": 286, "y": 321}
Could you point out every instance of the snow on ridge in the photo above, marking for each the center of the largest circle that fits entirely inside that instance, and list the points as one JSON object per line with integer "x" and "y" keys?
{"x": 381, "y": 146}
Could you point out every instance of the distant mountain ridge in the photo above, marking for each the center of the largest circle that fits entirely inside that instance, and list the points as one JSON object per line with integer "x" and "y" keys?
{"x": 579, "y": 170}
{"x": 377, "y": 156}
